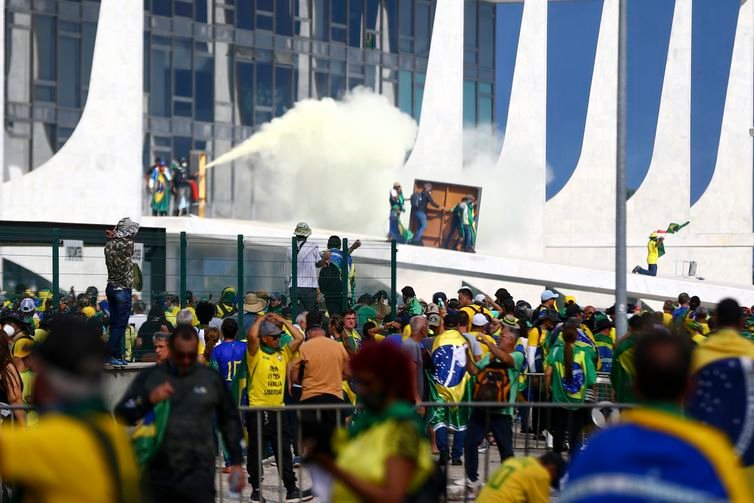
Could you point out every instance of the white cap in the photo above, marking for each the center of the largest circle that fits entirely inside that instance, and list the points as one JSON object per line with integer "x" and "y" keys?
{"x": 480, "y": 297}
{"x": 548, "y": 295}
{"x": 479, "y": 320}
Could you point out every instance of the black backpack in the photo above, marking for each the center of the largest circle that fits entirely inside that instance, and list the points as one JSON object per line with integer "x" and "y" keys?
{"x": 492, "y": 384}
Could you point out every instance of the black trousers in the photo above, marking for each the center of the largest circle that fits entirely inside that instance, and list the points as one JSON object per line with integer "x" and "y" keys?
{"x": 307, "y": 299}
{"x": 568, "y": 422}
{"x": 198, "y": 486}
{"x": 268, "y": 421}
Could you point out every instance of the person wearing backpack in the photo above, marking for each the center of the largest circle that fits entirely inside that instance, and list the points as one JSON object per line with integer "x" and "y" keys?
{"x": 569, "y": 372}
{"x": 495, "y": 379}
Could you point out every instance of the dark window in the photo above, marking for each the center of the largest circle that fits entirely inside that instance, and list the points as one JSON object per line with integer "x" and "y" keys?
{"x": 161, "y": 7}
{"x": 44, "y": 36}
{"x": 245, "y": 14}
{"x": 283, "y": 89}
{"x": 245, "y": 92}
{"x": 262, "y": 117}
{"x": 183, "y": 85}
{"x": 264, "y": 84}
{"x": 405, "y": 95}
{"x": 284, "y": 18}
{"x": 469, "y": 25}
{"x": 339, "y": 13}
{"x": 406, "y": 18}
{"x": 423, "y": 28}
{"x": 391, "y": 14}
{"x": 183, "y": 9}
{"x": 182, "y": 108}
{"x": 88, "y": 31}
{"x": 264, "y": 22}
{"x": 160, "y": 96}
{"x": 181, "y": 147}
{"x": 355, "y": 23}
{"x": 469, "y": 103}
{"x": 338, "y": 34}
{"x": 322, "y": 84}
{"x": 337, "y": 85}
{"x": 200, "y": 11}
{"x": 372, "y": 13}
{"x": 487, "y": 35}
{"x": 321, "y": 19}
{"x": 69, "y": 73}
{"x": 268, "y": 5}
{"x": 204, "y": 84}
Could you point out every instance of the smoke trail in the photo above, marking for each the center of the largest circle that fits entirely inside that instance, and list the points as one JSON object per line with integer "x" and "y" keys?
{"x": 330, "y": 163}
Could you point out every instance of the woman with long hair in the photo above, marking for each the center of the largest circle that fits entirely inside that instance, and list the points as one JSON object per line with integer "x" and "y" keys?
{"x": 384, "y": 455}
{"x": 569, "y": 372}
{"x": 211, "y": 338}
{"x": 11, "y": 389}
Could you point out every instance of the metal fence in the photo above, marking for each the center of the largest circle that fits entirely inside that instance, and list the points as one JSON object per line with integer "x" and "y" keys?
{"x": 290, "y": 417}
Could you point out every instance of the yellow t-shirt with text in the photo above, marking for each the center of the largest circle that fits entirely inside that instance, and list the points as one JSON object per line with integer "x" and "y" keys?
{"x": 266, "y": 382}
{"x": 517, "y": 480}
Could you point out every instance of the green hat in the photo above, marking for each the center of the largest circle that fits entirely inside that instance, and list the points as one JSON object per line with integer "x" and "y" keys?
{"x": 509, "y": 321}
{"x": 302, "y": 230}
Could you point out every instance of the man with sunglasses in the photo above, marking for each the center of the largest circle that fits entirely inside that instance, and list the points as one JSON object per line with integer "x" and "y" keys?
{"x": 267, "y": 365}
{"x": 183, "y": 466}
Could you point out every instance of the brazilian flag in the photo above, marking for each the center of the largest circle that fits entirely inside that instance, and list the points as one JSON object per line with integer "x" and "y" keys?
{"x": 148, "y": 435}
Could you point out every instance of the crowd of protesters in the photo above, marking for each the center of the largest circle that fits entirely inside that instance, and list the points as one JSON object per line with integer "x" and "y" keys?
{"x": 407, "y": 384}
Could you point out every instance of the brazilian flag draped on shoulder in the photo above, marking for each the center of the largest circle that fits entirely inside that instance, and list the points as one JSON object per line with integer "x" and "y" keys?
{"x": 449, "y": 382}
{"x": 238, "y": 384}
{"x": 148, "y": 435}
{"x": 623, "y": 372}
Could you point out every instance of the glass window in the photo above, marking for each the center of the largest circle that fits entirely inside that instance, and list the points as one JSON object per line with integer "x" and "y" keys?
{"x": 204, "y": 84}
{"x": 264, "y": 84}
{"x": 485, "y": 110}
{"x": 244, "y": 15}
{"x": 486, "y": 36}
{"x": 264, "y": 22}
{"x": 322, "y": 84}
{"x": 159, "y": 83}
{"x": 283, "y": 89}
{"x": 354, "y": 82}
{"x": 321, "y": 20}
{"x": 44, "y": 93}
{"x": 370, "y": 76}
{"x": 44, "y": 38}
{"x": 88, "y": 31}
{"x": 418, "y": 95}
{"x": 338, "y": 35}
{"x": 261, "y": 117}
{"x": 423, "y": 28}
{"x": 339, "y": 12}
{"x": 182, "y": 81}
{"x": 469, "y": 103}
{"x": 391, "y": 25}
{"x": 337, "y": 86}
{"x": 469, "y": 25}
{"x": 245, "y": 92}
{"x": 69, "y": 74}
{"x": 405, "y": 92}
{"x": 266, "y": 5}
{"x": 406, "y": 18}
{"x": 161, "y": 7}
{"x": 182, "y": 108}
{"x": 372, "y": 12}
{"x": 485, "y": 88}
{"x": 355, "y": 14}
{"x": 201, "y": 9}
{"x": 181, "y": 147}
{"x": 183, "y": 9}
{"x": 284, "y": 18}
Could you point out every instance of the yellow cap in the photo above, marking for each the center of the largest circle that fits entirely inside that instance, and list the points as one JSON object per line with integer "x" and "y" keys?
{"x": 88, "y": 311}
{"x": 568, "y": 299}
{"x": 22, "y": 347}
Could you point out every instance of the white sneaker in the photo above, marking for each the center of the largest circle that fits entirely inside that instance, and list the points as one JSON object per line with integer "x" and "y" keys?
{"x": 471, "y": 485}
{"x": 549, "y": 440}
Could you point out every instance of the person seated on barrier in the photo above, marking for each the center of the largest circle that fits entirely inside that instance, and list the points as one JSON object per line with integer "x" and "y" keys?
{"x": 194, "y": 397}
{"x": 266, "y": 363}
{"x": 494, "y": 379}
{"x": 654, "y": 453}
{"x": 383, "y": 456}
{"x": 525, "y": 479}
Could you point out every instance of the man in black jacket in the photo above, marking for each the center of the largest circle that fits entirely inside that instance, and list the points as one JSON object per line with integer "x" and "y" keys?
{"x": 183, "y": 467}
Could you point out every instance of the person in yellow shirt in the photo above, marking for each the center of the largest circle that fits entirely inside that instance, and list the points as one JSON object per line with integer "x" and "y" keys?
{"x": 479, "y": 328}
{"x": 667, "y": 313}
{"x": 466, "y": 299}
{"x": 267, "y": 364}
{"x": 655, "y": 250}
{"x": 523, "y": 480}
{"x": 76, "y": 452}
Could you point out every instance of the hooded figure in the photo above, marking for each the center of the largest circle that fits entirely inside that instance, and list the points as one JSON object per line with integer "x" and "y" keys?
{"x": 227, "y": 305}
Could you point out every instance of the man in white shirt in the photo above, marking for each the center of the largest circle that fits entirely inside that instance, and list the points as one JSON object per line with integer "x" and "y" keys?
{"x": 308, "y": 260}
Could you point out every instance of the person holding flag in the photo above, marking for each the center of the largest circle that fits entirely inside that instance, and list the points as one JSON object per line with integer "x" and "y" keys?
{"x": 656, "y": 249}
{"x": 449, "y": 384}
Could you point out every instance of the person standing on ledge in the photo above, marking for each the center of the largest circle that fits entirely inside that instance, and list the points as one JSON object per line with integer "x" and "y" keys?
{"x": 120, "y": 281}
{"x": 419, "y": 202}
{"x": 655, "y": 250}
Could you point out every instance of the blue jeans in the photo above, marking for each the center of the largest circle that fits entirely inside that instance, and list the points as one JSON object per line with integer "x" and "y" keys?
{"x": 421, "y": 217}
{"x": 451, "y": 236}
{"x": 501, "y": 426}
{"x": 441, "y": 437}
{"x": 651, "y": 271}
{"x": 120, "y": 310}
{"x": 467, "y": 244}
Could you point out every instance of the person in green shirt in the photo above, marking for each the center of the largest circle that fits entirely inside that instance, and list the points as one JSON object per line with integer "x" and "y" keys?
{"x": 622, "y": 374}
{"x": 499, "y": 421}
{"x": 569, "y": 372}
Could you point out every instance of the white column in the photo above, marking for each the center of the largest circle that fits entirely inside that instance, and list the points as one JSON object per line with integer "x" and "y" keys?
{"x": 522, "y": 166}
{"x": 439, "y": 142}
{"x": 589, "y": 195}
{"x": 664, "y": 195}
{"x": 96, "y": 176}
{"x": 726, "y": 205}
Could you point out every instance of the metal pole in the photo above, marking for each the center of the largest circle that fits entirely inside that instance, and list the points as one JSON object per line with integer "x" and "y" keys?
{"x": 55, "y": 242}
{"x": 620, "y": 178}
{"x": 294, "y": 277}
{"x": 393, "y": 277}
{"x": 183, "y": 265}
{"x": 344, "y": 277}
{"x": 239, "y": 288}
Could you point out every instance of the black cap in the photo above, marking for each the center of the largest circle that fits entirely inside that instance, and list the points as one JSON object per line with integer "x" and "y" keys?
{"x": 601, "y": 324}
{"x": 572, "y": 310}
{"x": 502, "y": 294}
{"x": 452, "y": 319}
{"x": 73, "y": 346}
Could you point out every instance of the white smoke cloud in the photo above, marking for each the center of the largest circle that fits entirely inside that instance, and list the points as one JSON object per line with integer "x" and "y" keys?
{"x": 329, "y": 163}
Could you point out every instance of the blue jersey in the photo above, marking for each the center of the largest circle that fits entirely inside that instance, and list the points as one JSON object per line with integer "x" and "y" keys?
{"x": 227, "y": 357}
